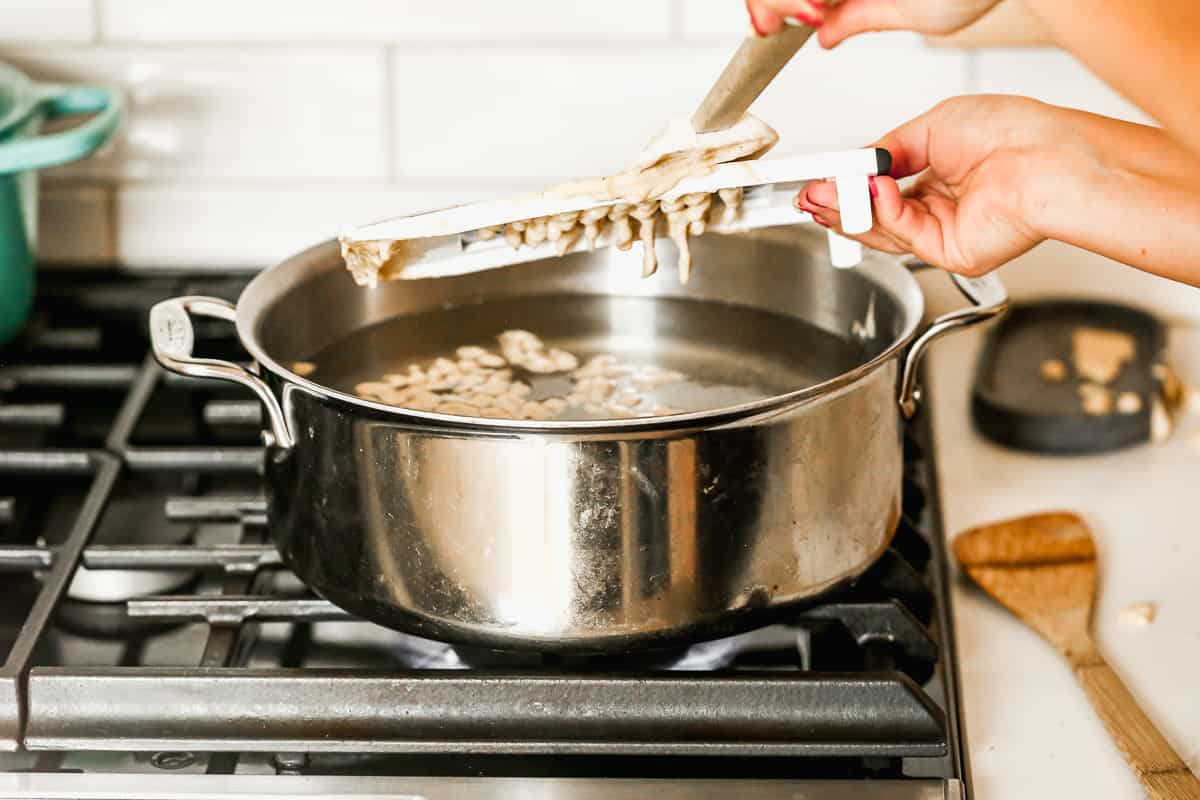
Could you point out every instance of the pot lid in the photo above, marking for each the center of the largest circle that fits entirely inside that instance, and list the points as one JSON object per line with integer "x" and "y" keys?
{"x": 17, "y": 98}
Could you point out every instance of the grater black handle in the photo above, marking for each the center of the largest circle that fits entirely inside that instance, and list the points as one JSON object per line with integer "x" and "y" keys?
{"x": 883, "y": 161}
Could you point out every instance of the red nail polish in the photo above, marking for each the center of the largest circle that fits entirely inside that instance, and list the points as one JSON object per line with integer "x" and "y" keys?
{"x": 872, "y": 187}
{"x": 754, "y": 20}
{"x": 811, "y": 17}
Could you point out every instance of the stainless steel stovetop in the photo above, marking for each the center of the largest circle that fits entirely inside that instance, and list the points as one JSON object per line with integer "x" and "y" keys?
{"x": 155, "y": 647}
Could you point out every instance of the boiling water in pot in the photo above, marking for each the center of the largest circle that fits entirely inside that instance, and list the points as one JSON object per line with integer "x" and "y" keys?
{"x": 727, "y": 354}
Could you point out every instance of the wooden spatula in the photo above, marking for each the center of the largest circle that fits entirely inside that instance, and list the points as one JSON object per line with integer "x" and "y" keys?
{"x": 1043, "y": 569}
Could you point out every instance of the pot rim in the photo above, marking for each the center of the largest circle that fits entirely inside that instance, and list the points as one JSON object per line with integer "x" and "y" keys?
{"x": 876, "y": 262}
{"x": 25, "y": 98}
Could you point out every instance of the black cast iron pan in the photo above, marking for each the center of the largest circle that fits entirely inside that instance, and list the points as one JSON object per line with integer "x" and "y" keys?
{"x": 1013, "y": 405}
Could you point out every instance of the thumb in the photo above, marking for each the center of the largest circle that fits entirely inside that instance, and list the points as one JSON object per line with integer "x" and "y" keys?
{"x": 853, "y": 17}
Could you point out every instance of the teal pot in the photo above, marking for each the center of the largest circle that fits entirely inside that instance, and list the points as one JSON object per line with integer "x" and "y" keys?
{"x": 25, "y": 107}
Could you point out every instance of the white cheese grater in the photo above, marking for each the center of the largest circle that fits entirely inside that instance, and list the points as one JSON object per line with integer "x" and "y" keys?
{"x": 470, "y": 238}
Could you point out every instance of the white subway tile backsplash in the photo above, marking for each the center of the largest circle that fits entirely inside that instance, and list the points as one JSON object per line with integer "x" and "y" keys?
{"x": 258, "y": 126}
{"x": 382, "y": 20}
{"x": 505, "y": 114}
{"x": 850, "y": 96}
{"x": 500, "y": 114}
{"x": 75, "y": 225}
{"x": 713, "y": 19}
{"x": 256, "y": 226}
{"x": 1052, "y": 76}
{"x": 230, "y": 114}
{"x": 46, "y": 21}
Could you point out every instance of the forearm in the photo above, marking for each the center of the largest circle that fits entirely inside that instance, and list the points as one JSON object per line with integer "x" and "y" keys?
{"x": 1134, "y": 196}
{"x": 1146, "y": 49}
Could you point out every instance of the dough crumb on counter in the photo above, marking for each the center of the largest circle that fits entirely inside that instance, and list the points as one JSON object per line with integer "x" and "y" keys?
{"x": 1138, "y": 615}
{"x": 1161, "y": 423}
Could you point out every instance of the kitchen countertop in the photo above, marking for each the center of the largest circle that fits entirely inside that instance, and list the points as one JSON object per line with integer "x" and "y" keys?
{"x": 1029, "y": 727}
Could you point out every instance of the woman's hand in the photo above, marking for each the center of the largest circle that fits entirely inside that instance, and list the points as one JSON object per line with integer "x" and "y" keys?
{"x": 980, "y": 157}
{"x": 996, "y": 175}
{"x": 837, "y": 22}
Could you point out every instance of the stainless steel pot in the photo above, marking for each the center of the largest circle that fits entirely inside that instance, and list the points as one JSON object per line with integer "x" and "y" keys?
{"x": 587, "y": 535}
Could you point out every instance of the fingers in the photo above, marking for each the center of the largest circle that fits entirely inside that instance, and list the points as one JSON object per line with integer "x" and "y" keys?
{"x": 764, "y": 21}
{"x": 915, "y": 224}
{"x": 767, "y": 16}
{"x": 853, "y": 17}
{"x": 820, "y": 200}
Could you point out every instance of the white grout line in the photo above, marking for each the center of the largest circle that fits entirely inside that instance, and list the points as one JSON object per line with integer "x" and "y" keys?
{"x": 568, "y": 44}
{"x": 97, "y": 22}
{"x": 113, "y": 245}
{"x": 185, "y": 183}
{"x": 972, "y": 70}
{"x": 391, "y": 123}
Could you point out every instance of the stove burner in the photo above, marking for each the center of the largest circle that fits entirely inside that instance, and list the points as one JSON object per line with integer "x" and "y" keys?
{"x": 150, "y": 484}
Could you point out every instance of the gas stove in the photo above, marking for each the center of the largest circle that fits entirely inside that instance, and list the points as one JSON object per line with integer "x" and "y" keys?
{"x": 155, "y": 646}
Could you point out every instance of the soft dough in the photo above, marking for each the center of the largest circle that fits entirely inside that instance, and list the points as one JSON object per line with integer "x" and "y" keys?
{"x": 635, "y": 212}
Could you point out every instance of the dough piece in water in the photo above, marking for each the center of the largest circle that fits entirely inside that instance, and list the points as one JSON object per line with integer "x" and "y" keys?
{"x": 372, "y": 389}
{"x": 554, "y": 405}
{"x": 629, "y": 400}
{"x": 603, "y": 388}
{"x": 459, "y": 408}
{"x": 563, "y": 361}
{"x": 470, "y": 353}
{"x": 654, "y": 377}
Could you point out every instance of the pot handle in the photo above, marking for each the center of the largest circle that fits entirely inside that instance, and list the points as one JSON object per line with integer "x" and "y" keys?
{"x": 172, "y": 338}
{"x": 52, "y": 149}
{"x": 990, "y": 300}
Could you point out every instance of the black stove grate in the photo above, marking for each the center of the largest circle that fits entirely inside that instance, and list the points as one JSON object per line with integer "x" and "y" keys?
{"x": 863, "y": 684}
